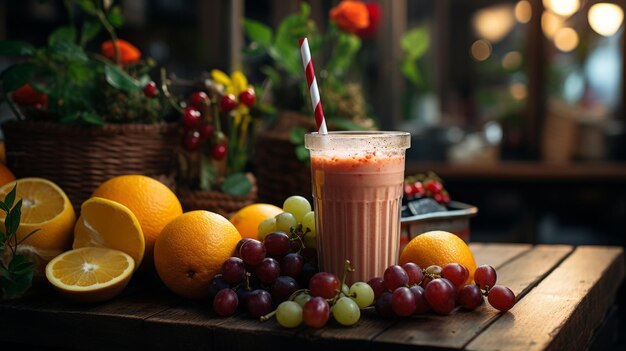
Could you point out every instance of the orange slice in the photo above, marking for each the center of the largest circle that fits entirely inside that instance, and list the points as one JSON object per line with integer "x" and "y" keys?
{"x": 45, "y": 207}
{"x": 106, "y": 223}
{"x": 90, "y": 274}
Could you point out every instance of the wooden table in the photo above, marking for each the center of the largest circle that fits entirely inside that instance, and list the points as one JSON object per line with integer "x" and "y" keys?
{"x": 564, "y": 293}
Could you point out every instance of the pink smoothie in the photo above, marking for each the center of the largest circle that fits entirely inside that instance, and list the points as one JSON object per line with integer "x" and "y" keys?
{"x": 357, "y": 202}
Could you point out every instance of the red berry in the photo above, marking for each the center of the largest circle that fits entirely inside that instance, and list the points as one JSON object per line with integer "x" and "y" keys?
{"x": 408, "y": 190}
{"x": 150, "y": 90}
{"x": 438, "y": 198}
{"x": 192, "y": 141}
{"x": 435, "y": 187}
{"x": 445, "y": 197}
{"x": 199, "y": 100}
{"x": 228, "y": 102}
{"x": 418, "y": 189}
{"x": 218, "y": 152}
{"x": 248, "y": 97}
{"x": 206, "y": 131}
{"x": 191, "y": 118}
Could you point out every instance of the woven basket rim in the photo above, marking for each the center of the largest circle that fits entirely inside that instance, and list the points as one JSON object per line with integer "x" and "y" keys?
{"x": 57, "y": 128}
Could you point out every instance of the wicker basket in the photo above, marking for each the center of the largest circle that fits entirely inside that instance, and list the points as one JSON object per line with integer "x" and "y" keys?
{"x": 216, "y": 201}
{"x": 279, "y": 172}
{"x": 80, "y": 158}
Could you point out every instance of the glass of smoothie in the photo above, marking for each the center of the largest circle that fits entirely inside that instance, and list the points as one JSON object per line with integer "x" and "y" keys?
{"x": 357, "y": 180}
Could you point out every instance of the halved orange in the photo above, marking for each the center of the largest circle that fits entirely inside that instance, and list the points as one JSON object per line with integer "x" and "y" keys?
{"x": 90, "y": 274}
{"x": 45, "y": 207}
{"x": 106, "y": 223}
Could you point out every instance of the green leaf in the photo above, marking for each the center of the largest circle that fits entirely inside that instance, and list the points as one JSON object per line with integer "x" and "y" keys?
{"x": 19, "y": 265}
{"x": 16, "y": 48}
{"x": 114, "y": 16}
{"x": 16, "y": 76}
{"x": 91, "y": 118}
{"x": 70, "y": 117}
{"x": 64, "y": 33}
{"x": 415, "y": 42}
{"x": 208, "y": 173}
{"x": 89, "y": 31}
{"x": 120, "y": 79}
{"x": 345, "y": 50}
{"x": 296, "y": 135}
{"x": 9, "y": 200}
{"x": 237, "y": 184}
{"x": 412, "y": 73}
{"x": 12, "y": 221}
{"x": 302, "y": 153}
{"x": 258, "y": 32}
{"x": 68, "y": 50}
{"x": 4, "y": 207}
{"x": 88, "y": 6}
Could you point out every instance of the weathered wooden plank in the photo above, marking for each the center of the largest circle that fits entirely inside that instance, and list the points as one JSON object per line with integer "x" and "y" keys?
{"x": 562, "y": 312}
{"x": 371, "y": 325}
{"x": 246, "y": 333}
{"x": 62, "y": 323}
{"x": 520, "y": 274}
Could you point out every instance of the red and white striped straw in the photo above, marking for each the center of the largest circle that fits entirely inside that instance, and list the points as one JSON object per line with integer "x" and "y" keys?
{"x": 307, "y": 63}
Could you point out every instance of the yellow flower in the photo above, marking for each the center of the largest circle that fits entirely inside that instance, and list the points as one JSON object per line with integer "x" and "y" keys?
{"x": 235, "y": 84}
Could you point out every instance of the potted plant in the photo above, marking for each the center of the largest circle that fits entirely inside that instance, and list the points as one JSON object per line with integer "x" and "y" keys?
{"x": 280, "y": 158}
{"x": 218, "y": 122}
{"x": 84, "y": 117}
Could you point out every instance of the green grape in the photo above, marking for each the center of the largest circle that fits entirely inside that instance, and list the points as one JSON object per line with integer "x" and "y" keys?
{"x": 310, "y": 241}
{"x": 345, "y": 289}
{"x": 285, "y": 221}
{"x": 362, "y": 294}
{"x": 289, "y": 314}
{"x": 268, "y": 225}
{"x": 346, "y": 311}
{"x": 308, "y": 221}
{"x": 301, "y": 299}
{"x": 297, "y": 206}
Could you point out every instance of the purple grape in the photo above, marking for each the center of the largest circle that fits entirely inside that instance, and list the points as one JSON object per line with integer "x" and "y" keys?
{"x": 414, "y": 272}
{"x": 501, "y": 298}
{"x": 277, "y": 244}
{"x": 324, "y": 284}
{"x": 283, "y": 287}
{"x": 403, "y": 302}
{"x": 225, "y": 303}
{"x": 440, "y": 295}
{"x": 395, "y": 277}
{"x": 378, "y": 285}
{"x": 457, "y": 274}
{"x": 252, "y": 252}
{"x": 267, "y": 271}
{"x": 470, "y": 297}
{"x": 485, "y": 276}
{"x": 259, "y": 303}
{"x": 291, "y": 265}
{"x": 315, "y": 312}
{"x": 421, "y": 304}
{"x": 308, "y": 271}
{"x": 217, "y": 283}
{"x": 383, "y": 305}
{"x": 233, "y": 270}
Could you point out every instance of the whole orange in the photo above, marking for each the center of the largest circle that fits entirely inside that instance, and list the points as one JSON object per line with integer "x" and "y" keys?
{"x": 438, "y": 248}
{"x": 6, "y": 176}
{"x": 153, "y": 203}
{"x": 191, "y": 250}
{"x": 248, "y": 218}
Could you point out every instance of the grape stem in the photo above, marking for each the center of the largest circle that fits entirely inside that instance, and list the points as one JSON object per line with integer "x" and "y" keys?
{"x": 268, "y": 316}
{"x": 346, "y": 268}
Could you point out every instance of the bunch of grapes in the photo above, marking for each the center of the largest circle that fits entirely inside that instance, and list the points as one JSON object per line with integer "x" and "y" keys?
{"x": 407, "y": 289}
{"x": 268, "y": 271}
{"x": 326, "y": 296}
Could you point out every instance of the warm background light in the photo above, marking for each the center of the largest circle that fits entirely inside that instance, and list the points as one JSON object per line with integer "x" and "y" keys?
{"x": 512, "y": 60}
{"x": 523, "y": 11}
{"x": 562, "y": 7}
{"x": 494, "y": 23}
{"x": 518, "y": 91}
{"x": 550, "y": 24}
{"x": 605, "y": 19}
{"x": 566, "y": 39}
{"x": 481, "y": 50}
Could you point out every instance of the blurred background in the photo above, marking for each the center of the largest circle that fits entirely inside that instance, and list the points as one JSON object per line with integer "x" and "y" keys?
{"x": 517, "y": 105}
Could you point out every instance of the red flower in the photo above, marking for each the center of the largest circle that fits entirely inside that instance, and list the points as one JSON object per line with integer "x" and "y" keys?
{"x": 27, "y": 96}
{"x": 128, "y": 52}
{"x": 350, "y": 15}
{"x": 373, "y": 8}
